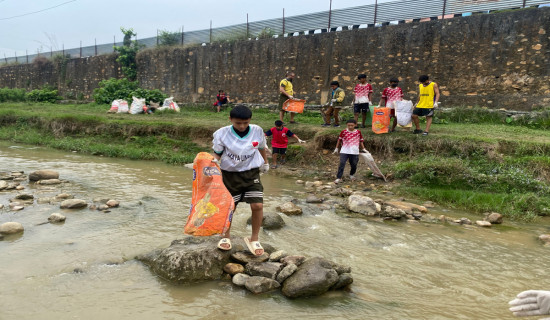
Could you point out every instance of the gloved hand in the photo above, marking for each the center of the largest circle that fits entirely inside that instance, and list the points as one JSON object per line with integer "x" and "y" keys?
{"x": 290, "y": 97}
{"x": 531, "y": 303}
{"x": 335, "y": 151}
{"x": 364, "y": 150}
{"x": 216, "y": 161}
{"x": 264, "y": 168}
{"x": 333, "y": 100}
{"x": 436, "y": 105}
{"x": 301, "y": 141}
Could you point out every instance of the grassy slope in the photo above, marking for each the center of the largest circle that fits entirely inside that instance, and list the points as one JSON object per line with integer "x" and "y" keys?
{"x": 477, "y": 166}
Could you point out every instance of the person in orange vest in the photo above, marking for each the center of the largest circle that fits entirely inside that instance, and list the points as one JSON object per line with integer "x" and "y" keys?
{"x": 428, "y": 99}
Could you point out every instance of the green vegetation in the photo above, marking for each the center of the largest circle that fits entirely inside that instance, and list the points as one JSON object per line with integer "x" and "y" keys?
{"x": 113, "y": 89}
{"x": 46, "y": 94}
{"x": 167, "y": 38}
{"x": 266, "y": 33}
{"x": 474, "y": 160}
{"x": 127, "y": 54}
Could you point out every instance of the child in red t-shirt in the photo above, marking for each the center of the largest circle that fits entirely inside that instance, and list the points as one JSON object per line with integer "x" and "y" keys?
{"x": 389, "y": 95}
{"x": 350, "y": 139}
{"x": 279, "y": 141}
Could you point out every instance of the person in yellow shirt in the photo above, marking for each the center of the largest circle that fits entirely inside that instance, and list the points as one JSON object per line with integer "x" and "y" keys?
{"x": 286, "y": 91}
{"x": 428, "y": 99}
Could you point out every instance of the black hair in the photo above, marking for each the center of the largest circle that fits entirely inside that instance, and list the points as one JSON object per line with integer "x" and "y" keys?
{"x": 240, "y": 111}
{"x": 334, "y": 83}
{"x": 289, "y": 72}
{"x": 220, "y": 90}
{"x": 351, "y": 121}
{"x": 278, "y": 123}
{"x": 423, "y": 78}
{"x": 394, "y": 80}
{"x": 362, "y": 76}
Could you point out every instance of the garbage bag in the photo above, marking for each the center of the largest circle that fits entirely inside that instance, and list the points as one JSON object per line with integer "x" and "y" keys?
{"x": 381, "y": 120}
{"x": 122, "y": 106}
{"x": 137, "y": 105}
{"x": 369, "y": 160}
{"x": 403, "y": 112}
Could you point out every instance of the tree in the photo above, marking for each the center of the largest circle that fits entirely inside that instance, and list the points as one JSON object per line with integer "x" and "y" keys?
{"x": 127, "y": 54}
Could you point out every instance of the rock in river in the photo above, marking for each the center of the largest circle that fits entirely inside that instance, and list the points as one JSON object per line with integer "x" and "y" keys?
{"x": 270, "y": 221}
{"x": 11, "y": 228}
{"x": 56, "y": 218}
{"x": 290, "y": 209}
{"x": 73, "y": 204}
{"x": 314, "y": 277}
{"x": 363, "y": 205}
{"x": 43, "y": 175}
{"x": 259, "y": 285}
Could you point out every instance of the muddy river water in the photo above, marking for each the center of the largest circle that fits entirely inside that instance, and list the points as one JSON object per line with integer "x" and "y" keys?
{"x": 85, "y": 268}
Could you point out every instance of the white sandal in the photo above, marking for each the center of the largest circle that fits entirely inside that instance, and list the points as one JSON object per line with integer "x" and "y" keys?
{"x": 253, "y": 246}
{"x": 225, "y": 241}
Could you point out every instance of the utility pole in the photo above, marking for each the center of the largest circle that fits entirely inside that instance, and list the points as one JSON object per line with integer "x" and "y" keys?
{"x": 524, "y": 2}
{"x": 182, "y": 28}
{"x": 247, "y": 27}
{"x": 210, "y": 31}
{"x": 283, "y": 22}
{"x": 445, "y": 7}
{"x": 375, "y": 11}
{"x": 329, "y": 15}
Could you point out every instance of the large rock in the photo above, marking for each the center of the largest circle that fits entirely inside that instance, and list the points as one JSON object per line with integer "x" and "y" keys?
{"x": 344, "y": 280}
{"x": 545, "y": 238}
{"x": 73, "y": 204}
{"x": 112, "y": 203}
{"x": 407, "y": 206}
{"x": 259, "y": 285}
{"x": 494, "y": 218}
{"x": 297, "y": 260}
{"x": 277, "y": 255}
{"x": 482, "y": 223}
{"x": 233, "y": 268}
{"x": 314, "y": 277}
{"x": 394, "y": 213}
{"x": 188, "y": 260}
{"x": 363, "y": 205}
{"x": 3, "y": 184}
{"x": 56, "y": 218}
{"x": 264, "y": 269}
{"x": 313, "y": 199}
{"x": 271, "y": 221}
{"x": 24, "y": 196}
{"x": 245, "y": 257}
{"x": 240, "y": 279}
{"x": 290, "y": 209}
{"x": 11, "y": 228}
{"x": 286, "y": 272}
{"x": 43, "y": 175}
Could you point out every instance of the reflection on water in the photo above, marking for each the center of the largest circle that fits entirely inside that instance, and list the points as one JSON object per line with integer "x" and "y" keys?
{"x": 84, "y": 268}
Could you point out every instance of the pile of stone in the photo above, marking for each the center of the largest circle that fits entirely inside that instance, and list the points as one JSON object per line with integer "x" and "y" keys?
{"x": 195, "y": 259}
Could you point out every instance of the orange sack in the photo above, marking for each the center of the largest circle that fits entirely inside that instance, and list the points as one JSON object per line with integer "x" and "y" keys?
{"x": 381, "y": 120}
{"x": 294, "y": 105}
{"x": 211, "y": 204}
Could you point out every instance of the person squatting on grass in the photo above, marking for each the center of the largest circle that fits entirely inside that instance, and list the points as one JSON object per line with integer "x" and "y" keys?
{"x": 240, "y": 151}
{"x": 286, "y": 91}
{"x": 336, "y": 102}
{"x": 428, "y": 99}
{"x": 389, "y": 96}
{"x": 279, "y": 142}
{"x": 350, "y": 139}
{"x": 362, "y": 98}
{"x": 221, "y": 99}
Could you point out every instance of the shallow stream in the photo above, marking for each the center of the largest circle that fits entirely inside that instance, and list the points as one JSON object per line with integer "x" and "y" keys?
{"x": 84, "y": 268}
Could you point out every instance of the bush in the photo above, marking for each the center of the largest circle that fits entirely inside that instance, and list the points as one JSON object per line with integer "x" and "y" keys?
{"x": 167, "y": 38}
{"x": 45, "y": 94}
{"x": 12, "y": 95}
{"x": 113, "y": 89}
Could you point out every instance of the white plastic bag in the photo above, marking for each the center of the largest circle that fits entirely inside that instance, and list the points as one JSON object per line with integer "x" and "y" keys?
{"x": 137, "y": 105}
{"x": 114, "y": 106}
{"x": 122, "y": 106}
{"x": 170, "y": 104}
{"x": 369, "y": 160}
{"x": 403, "y": 112}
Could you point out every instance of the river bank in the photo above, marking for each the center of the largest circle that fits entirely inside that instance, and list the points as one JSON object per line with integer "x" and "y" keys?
{"x": 473, "y": 160}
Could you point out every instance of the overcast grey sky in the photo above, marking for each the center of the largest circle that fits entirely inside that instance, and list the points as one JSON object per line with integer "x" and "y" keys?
{"x": 73, "y": 21}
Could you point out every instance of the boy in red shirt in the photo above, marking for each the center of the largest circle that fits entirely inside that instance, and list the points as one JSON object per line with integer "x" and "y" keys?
{"x": 350, "y": 139}
{"x": 279, "y": 143}
{"x": 389, "y": 95}
{"x": 363, "y": 94}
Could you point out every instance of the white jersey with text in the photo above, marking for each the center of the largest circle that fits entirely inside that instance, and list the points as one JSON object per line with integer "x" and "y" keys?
{"x": 239, "y": 154}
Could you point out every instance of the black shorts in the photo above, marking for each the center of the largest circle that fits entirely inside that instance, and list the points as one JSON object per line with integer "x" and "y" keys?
{"x": 282, "y": 99}
{"x": 279, "y": 150}
{"x": 244, "y": 186}
{"x": 361, "y": 107}
{"x": 424, "y": 112}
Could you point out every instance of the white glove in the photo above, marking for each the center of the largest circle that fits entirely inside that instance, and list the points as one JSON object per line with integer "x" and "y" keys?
{"x": 531, "y": 303}
{"x": 264, "y": 168}
{"x": 290, "y": 97}
{"x": 301, "y": 141}
{"x": 216, "y": 161}
{"x": 436, "y": 105}
{"x": 364, "y": 150}
{"x": 335, "y": 151}
{"x": 333, "y": 100}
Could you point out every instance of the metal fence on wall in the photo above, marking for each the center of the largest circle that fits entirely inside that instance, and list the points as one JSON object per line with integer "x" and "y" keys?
{"x": 326, "y": 21}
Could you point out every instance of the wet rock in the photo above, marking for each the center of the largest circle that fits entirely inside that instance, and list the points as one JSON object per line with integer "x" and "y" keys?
{"x": 341, "y": 269}
{"x": 393, "y": 213}
{"x": 300, "y": 181}
{"x": 49, "y": 182}
{"x": 19, "y": 188}
{"x": 363, "y": 205}
{"x": 244, "y": 257}
{"x": 494, "y": 218}
{"x": 17, "y": 208}
{"x": 406, "y": 206}
{"x": 5, "y": 176}
{"x": 112, "y": 203}
{"x": 297, "y": 260}
{"x": 317, "y": 184}
{"x": 24, "y": 196}
{"x": 17, "y": 173}
{"x": 309, "y": 184}
{"x": 264, "y": 269}
{"x": 1, "y": 206}
{"x": 12, "y": 186}
{"x": 73, "y": 204}
{"x": 485, "y": 224}
{"x": 286, "y": 272}
{"x": 92, "y": 207}
{"x": 43, "y": 200}
{"x": 314, "y": 277}
{"x": 342, "y": 192}
{"x": 233, "y": 268}
{"x": 545, "y": 238}
{"x": 270, "y": 221}
{"x": 64, "y": 196}
{"x": 259, "y": 285}
{"x": 56, "y": 218}
{"x": 3, "y": 184}
{"x": 465, "y": 221}
{"x": 11, "y": 228}
{"x": 429, "y": 204}
{"x": 277, "y": 255}
{"x": 344, "y": 280}
{"x": 240, "y": 279}
{"x": 313, "y": 199}
{"x": 290, "y": 209}
{"x": 442, "y": 218}
{"x": 16, "y": 204}
{"x": 417, "y": 215}
{"x": 43, "y": 175}
{"x": 103, "y": 207}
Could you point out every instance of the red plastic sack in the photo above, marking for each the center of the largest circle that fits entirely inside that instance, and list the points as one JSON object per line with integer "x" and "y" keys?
{"x": 294, "y": 105}
{"x": 381, "y": 120}
{"x": 212, "y": 205}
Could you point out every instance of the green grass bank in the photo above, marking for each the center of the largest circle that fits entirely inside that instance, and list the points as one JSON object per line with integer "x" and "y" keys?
{"x": 475, "y": 159}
